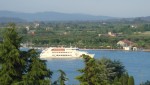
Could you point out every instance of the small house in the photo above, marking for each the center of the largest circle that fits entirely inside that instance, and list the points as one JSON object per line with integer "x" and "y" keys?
{"x": 111, "y": 34}
{"x": 127, "y": 48}
{"x": 126, "y": 44}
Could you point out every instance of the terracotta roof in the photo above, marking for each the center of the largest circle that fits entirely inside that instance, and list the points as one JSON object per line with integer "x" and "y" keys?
{"x": 127, "y": 42}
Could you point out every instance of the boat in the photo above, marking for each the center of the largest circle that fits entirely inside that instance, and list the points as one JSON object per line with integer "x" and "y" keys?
{"x": 63, "y": 52}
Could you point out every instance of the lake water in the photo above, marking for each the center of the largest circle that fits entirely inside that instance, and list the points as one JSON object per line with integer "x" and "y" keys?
{"x": 136, "y": 63}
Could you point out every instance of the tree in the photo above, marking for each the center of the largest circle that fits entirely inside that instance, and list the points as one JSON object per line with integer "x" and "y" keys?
{"x": 88, "y": 76}
{"x": 116, "y": 81}
{"x": 102, "y": 72}
{"x": 62, "y": 78}
{"x": 20, "y": 67}
{"x": 94, "y": 73}
{"x": 11, "y": 63}
{"x": 146, "y": 83}
{"x": 131, "y": 80}
{"x": 124, "y": 79}
{"x": 36, "y": 71}
{"x": 111, "y": 69}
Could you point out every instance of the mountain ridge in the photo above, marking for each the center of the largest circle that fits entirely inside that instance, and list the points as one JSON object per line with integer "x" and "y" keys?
{"x": 11, "y": 16}
{"x": 52, "y": 16}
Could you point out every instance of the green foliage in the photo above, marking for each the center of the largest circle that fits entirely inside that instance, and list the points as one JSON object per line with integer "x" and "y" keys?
{"x": 146, "y": 83}
{"x": 37, "y": 72}
{"x": 20, "y": 67}
{"x": 125, "y": 79}
{"x": 100, "y": 72}
{"x": 116, "y": 81}
{"x": 62, "y": 78}
{"x": 113, "y": 68}
{"x": 88, "y": 76}
{"x": 85, "y": 34}
{"x": 11, "y": 62}
{"x": 131, "y": 80}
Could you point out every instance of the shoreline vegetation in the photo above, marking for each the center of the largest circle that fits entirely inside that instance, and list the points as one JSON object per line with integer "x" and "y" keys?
{"x": 145, "y": 50}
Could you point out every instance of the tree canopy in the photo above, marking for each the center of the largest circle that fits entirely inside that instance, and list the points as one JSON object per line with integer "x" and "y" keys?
{"x": 20, "y": 67}
{"x": 102, "y": 72}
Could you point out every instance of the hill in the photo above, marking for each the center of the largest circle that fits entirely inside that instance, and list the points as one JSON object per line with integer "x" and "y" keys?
{"x": 11, "y": 19}
{"x": 51, "y": 16}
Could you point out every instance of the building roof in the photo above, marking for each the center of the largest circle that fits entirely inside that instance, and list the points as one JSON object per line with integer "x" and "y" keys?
{"x": 129, "y": 43}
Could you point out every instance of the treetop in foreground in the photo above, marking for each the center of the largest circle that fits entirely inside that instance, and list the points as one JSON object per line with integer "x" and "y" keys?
{"x": 20, "y": 67}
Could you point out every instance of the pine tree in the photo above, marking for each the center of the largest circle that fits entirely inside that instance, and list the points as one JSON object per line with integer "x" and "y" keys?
{"x": 124, "y": 79}
{"x": 37, "y": 72}
{"x": 131, "y": 80}
{"x": 11, "y": 62}
{"x": 93, "y": 73}
{"x": 116, "y": 81}
{"x": 20, "y": 67}
{"x": 62, "y": 78}
{"x": 88, "y": 74}
{"x": 146, "y": 83}
{"x": 101, "y": 72}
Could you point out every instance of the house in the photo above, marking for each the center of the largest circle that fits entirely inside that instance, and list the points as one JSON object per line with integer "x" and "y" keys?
{"x": 111, "y": 34}
{"x": 127, "y": 48}
{"x": 36, "y": 25}
{"x": 133, "y": 26}
{"x": 126, "y": 44}
{"x": 27, "y": 28}
{"x": 32, "y": 32}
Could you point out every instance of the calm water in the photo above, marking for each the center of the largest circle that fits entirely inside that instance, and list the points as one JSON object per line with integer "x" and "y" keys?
{"x": 136, "y": 63}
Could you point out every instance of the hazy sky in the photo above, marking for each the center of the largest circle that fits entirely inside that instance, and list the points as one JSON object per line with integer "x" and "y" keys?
{"x": 115, "y": 8}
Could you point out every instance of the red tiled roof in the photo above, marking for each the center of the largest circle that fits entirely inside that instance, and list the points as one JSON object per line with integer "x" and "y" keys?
{"x": 127, "y": 42}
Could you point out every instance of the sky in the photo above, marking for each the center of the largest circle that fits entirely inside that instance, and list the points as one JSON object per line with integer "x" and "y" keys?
{"x": 114, "y": 8}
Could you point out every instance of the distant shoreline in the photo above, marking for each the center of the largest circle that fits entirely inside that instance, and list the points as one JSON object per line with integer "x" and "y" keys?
{"x": 100, "y": 49}
{"x": 145, "y": 50}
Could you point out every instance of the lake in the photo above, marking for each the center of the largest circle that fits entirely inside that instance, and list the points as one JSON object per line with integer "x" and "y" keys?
{"x": 136, "y": 63}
